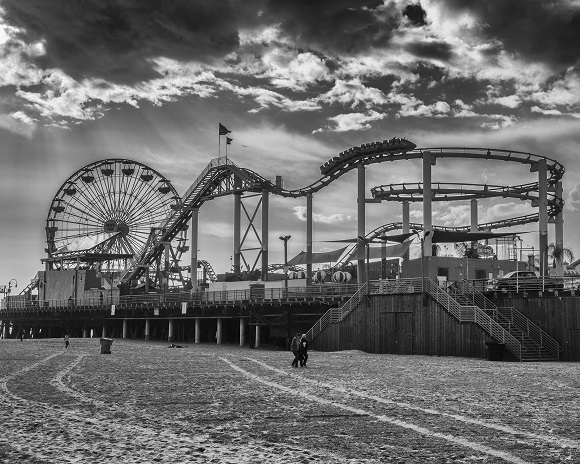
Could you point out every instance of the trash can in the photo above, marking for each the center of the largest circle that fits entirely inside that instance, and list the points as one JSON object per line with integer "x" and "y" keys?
{"x": 495, "y": 351}
{"x": 106, "y": 345}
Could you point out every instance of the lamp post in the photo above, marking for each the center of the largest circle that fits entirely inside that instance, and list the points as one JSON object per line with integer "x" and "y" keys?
{"x": 10, "y": 285}
{"x": 9, "y": 289}
{"x": 285, "y": 239}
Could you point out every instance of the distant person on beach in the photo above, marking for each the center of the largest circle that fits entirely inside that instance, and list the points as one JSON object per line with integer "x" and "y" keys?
{"x": 303, "y": 350}
{"x": 295, "y": 347}
{"x": 66, "y": 340}
{"x": 21, "y": 335}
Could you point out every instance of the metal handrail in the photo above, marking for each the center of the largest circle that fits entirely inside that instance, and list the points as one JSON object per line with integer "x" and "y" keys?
{"x": 523, "y": 323}
{"x": 334, "y": 315}
{"x": 260, "y": 294}
{"x": 463, "y": 313}
{"x": 541, "y": 338}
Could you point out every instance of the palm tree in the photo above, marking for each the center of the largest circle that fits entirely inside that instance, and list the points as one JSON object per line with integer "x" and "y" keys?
{"x": 558, "y": 253}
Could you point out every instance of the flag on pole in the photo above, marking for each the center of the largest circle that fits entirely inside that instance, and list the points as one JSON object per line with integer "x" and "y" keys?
{"x": 223, "y": 130}
{"x": 228, "y": 141}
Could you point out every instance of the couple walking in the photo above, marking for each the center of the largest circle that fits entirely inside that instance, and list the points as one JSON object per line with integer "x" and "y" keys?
{"x": 299, "y": 347}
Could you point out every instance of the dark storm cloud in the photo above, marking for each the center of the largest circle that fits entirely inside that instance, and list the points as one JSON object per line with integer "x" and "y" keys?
{"x": 114, "y": 38}
{"x": 339, "y": 26}
{"x": 431, "y": 50}
{"x": 416, "y": 14}
{"x": 546, "y": 31}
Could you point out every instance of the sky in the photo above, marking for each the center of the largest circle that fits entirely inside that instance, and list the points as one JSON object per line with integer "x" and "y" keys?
{"x": 296, "y": 83}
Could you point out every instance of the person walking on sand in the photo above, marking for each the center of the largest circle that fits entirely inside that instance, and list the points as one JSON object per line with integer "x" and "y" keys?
{"x": 295, "y": 347}
{"x": 66, "y": 340}
{"x": 303, "y": 350}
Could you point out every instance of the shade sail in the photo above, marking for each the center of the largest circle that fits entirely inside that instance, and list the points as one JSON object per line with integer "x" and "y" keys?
{"x": 385, "y": 238}
{"x": 447, "y": 236}
{"x": 393, "y": 251}
{"x": 317, "y": 258}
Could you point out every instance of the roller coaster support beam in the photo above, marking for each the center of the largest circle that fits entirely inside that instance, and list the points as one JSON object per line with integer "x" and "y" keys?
{"x": 265, "y": 219}
{"x": 543, "y": 214}
{"x": 559, "y": 230}
{"x": 309, "y": 214}
{"x": 360, "y": 264}
{"x": 428, "y": 161}
{"x": 194, "y": 247}
{"x": 406, "y": 228}
{"x": 474, "y": 221}
{"x": 237, "y": 226}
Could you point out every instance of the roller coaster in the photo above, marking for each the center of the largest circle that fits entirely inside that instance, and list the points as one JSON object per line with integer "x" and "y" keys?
{"x": 126, "y": 187}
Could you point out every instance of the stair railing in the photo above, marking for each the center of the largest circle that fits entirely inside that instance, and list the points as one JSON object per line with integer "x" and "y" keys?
{"x": 463, "y": 313}
{"x": 334, "y": 315}
{"x": 531, "y": 330}
{"x": 515, "y": 317}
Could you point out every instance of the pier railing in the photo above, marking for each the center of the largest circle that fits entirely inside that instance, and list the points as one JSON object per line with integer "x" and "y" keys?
{"x": 256, "y": 294}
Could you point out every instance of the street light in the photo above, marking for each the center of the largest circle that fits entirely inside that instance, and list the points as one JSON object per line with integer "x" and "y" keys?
{"x": 8, "y": 290}
{"x": 285, "y": 239}
{"x": 10, "y": 285}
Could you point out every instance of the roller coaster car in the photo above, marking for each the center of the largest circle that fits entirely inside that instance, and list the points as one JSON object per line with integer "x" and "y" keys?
{"x": 393, "y": 145}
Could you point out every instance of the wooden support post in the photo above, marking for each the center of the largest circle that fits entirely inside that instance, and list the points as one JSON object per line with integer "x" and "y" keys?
{"x": 170, "y": 336}
{"x": 242, "y": 331}
{"x": 147, "y": 329}
{"x": 219, "y": 331}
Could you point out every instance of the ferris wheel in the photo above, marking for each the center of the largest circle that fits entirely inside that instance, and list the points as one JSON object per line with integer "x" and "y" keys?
{"x": 105, "y": 213}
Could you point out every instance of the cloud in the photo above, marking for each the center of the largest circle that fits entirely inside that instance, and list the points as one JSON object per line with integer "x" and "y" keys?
{"x": 300, "y": 213}
{"x": 352, "y": 122}
{"x": 432, "y": 50}
{"x": 18, "y": 123}
{"x": 453, "y": 216}
{"x": 509, "y": 101}
{"x": 502, "y": 121}
{"x": 563, "y": 90}
{"x": 293, "y": 70}
{"x": 415, "y": 14}
{"x": 573, "y": 200}
{"x": 353, "y": 93}
{"x": 537, "y": 31}
{"x": 501, "y": 211}
{"x": 415, "y": 108}
{"x": 334, "y": 26}
{"x": 116, "y": 41}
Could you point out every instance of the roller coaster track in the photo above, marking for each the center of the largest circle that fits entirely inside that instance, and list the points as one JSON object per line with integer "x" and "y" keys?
{"x": 222, "y": 177}
{"x": 459, "y": 191}
{"x": 385, "y": 228}
{"x": 208, "y": 269}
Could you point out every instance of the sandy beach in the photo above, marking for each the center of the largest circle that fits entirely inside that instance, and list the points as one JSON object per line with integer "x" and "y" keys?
{"x": 146, "y": 403}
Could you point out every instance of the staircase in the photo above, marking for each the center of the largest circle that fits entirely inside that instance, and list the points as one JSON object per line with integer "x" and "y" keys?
{"x": 536, "y": 345}
{"x": 525, "y": 340}
{"x": 214, "y": 173}
{"x": 337, "y": 315}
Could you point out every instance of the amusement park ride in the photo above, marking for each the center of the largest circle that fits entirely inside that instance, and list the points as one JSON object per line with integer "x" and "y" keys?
{"x": 125, "y": 222}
